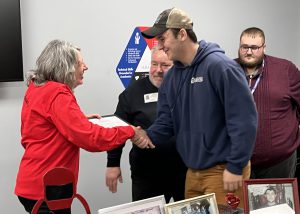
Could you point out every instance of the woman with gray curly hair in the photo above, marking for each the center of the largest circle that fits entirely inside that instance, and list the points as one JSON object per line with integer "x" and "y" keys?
{"x": 54, "y": 128}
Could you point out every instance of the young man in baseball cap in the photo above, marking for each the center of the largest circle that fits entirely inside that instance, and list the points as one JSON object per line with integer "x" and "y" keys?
{"x": 206, "y": 103}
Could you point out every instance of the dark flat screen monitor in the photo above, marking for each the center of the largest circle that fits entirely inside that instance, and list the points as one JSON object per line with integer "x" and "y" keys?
{"x": 11, "y": 62}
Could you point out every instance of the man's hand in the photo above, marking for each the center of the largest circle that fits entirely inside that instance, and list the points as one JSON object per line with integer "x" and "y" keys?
{"x": 231, "y": 181}
{"x": 112, "y": 175}
{"x": 141, "y": 138}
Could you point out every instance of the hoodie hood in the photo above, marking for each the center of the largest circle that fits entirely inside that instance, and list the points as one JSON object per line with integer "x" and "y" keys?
{"x": 205, "y": 48}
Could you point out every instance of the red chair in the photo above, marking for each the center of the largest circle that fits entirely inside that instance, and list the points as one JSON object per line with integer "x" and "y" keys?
{"x": 59, "y": 178}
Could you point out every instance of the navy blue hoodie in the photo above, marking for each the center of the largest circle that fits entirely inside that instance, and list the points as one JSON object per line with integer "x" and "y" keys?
{"x": 209, "y": 108}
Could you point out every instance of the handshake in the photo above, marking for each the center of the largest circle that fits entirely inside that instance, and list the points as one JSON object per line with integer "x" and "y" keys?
{"x": 141, "y": 139}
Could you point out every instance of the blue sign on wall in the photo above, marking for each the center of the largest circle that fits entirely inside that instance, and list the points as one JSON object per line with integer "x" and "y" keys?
{"x": 136, "y": 59}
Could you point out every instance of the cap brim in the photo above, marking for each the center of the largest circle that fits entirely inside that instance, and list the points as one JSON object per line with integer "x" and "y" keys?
{"x": 153, "y": 32}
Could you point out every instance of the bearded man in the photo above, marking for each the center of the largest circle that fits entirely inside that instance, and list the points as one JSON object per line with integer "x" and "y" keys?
{"x": 275, "y": 85}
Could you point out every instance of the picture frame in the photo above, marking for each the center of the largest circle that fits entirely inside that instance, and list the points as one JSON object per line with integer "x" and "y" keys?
{"x": 276, "y": 195}
{"x": 154, "y": 205}
{"x": 206, "y": 202}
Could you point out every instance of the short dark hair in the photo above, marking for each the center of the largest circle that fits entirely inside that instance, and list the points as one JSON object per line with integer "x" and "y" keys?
{"x": 271, "y": 189}
{"x": 254, "y": 31}
{"x": 205, "y": 204}
{"x": 191, "y": 34}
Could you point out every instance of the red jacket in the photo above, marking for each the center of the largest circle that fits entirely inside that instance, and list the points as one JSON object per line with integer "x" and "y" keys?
{"x": 53, "y": 129}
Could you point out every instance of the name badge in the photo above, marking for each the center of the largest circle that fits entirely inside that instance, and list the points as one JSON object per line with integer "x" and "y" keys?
{"x": 150, "y": 98}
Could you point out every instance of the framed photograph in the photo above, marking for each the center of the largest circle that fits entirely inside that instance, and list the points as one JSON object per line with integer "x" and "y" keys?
{"x": 278, "y": 195}
{"x": 154, "y": 205}
{"x": 200, "y": 204}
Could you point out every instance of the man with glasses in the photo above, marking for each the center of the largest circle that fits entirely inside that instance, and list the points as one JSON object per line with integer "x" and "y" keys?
{"x": 275, "y": 85}
{"x": 154, "y": 172}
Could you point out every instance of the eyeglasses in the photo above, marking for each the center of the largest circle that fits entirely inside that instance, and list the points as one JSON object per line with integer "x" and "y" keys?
{"x": 253, "y": 48}
{"x": 163, "y": 66}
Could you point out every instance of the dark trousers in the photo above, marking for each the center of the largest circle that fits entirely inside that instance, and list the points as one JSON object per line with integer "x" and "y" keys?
{"x": 284, "y": 169}
{"x": 147, "y": 186}
{"x": 53, "y": 192}
{"x": 29, "y": 204}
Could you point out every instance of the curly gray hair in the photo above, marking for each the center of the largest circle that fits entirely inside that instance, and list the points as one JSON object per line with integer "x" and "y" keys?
{"x": 57, "y": 62}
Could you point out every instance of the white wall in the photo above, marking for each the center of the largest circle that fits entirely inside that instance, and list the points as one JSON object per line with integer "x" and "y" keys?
{"x": 102, "y": 29}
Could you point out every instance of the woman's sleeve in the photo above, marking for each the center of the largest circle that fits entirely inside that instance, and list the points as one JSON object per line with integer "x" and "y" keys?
{"x": 77, "y": 129}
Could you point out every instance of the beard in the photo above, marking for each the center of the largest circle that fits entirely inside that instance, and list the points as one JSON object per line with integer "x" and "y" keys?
{"x": 258, "y": 60}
